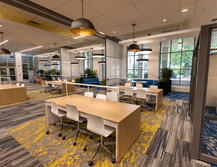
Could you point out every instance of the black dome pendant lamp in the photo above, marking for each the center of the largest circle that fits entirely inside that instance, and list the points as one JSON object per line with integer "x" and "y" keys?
{"x": 55, "y": 57}
{"x": 133, "y": 47}
{"x": 4, "y": 51}
{"x": 82, "y": 26}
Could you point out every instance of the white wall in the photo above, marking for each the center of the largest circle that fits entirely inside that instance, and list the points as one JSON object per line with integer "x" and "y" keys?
{"x": 211, "y": 98}
{"x": 114, "y": 53}
{"x": 19, "y": 67}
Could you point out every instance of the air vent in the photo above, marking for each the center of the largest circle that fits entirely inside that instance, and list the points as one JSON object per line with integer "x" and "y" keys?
{"x": 171, "y": 30}
{"x": 33, "y": 23}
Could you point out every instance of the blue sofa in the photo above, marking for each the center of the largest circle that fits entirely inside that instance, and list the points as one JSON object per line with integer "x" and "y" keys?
{"x": 94, "y": 81}
{"x": 149, "y": 82}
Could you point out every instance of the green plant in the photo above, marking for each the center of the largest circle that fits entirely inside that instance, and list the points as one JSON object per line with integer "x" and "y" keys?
{"x": 103, "y": 82}
{"x": 54, "y": 72}
{"x": 88, "y": 73}
{"x": 166, "y": 74}
{"x": 41, "y": 72}
{"x": 78, "y": 80}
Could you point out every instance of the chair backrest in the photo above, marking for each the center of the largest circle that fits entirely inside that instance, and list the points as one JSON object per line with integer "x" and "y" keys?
{"x": 128, "y": 91}
{"x": 54, "y": 108}
{"x": 141, "y": 94}
{"x": 18, "y": 84}
{"x": 72, "y": 112}
{"x": 127, "y": 84}
{"x": 101, "y": 96}
{"x": 153, "y": 87}
{"x": 139, "y": 85}
{"x": 95, "y": 124}
{"x": 45, "y": 83}
{"x": 88, "y": 94}
{"x": 22, "y": 85}
{"x": 113, "y": 96}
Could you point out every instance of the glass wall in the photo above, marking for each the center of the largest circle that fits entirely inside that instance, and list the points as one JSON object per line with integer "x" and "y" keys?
{"x": 7, "y": 66}
{"x": 27, "y": 63}
{"x": 177, "y": 55}
{"x": 137, "y": 69}
{"x": 88, "y": 62}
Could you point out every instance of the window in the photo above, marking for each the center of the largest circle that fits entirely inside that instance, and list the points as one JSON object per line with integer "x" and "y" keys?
{"x": 177, "y": 55}
{"x": 7, "y": 66}
{"x": 27, "y": 63}
{"x": 88, "y": 62}
{"x": 136, "y": 69}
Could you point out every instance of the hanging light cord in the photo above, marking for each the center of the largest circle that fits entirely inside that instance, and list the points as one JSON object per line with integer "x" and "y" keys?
{"x": 133, "y": 31}
{"x": 82, "y": 8}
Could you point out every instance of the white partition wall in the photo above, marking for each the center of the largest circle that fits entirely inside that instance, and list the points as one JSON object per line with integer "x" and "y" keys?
{"x": 113, "y": 61}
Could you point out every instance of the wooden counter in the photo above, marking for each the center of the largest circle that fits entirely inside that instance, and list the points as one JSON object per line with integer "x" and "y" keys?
{"x": 10, "y": 94}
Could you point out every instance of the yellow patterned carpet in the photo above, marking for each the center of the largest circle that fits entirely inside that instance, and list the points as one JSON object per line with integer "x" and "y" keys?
{"x": 53, "y": 151}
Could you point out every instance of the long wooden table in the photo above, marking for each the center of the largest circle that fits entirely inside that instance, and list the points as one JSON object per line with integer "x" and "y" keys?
{"x": 155, "y": 92}
{"x": 70, "y": 87}
{"x": 10, "y": 94}
{"x": 125, "y": 118}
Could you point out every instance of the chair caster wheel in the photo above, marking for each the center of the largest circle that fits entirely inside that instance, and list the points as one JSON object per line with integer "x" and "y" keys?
{"x": 91, "y": 137}
{"x": 63, "y": 138}
{"x": 85, "y": 149}
{"x": 47, "y": 132}
{"x": 113, "y": 161}
{"x": 90, "y": 163}
{"x": 74, "y": 144}
{"x": 60, "y": 135}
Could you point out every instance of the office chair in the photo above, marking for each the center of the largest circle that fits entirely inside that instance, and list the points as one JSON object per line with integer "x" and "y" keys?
{"x": 142, "y": 97}
{"x": 18, "y": 84}
{"x": 139, "y": 85}
{"x": 153, "y": 87}
{"x": 112, "y": 96}
{"x": 88, "y": 94}
{"x": 46, "y": 87}
{"x": 72, "y": 113}
{"x": 128, "y": 96}
{"x": 22, "y": 85}
{"x": 96, "y": 125}
{"x": 56, "y": 89}
{"x": 55, "y": 110}
{"x": 101, "y": 96}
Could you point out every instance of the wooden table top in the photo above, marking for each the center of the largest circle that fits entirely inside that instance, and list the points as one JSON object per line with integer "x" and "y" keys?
{"x": 9, "y": 86}
{"x": 108, "y": 110}
{"x": 148, "y": 90}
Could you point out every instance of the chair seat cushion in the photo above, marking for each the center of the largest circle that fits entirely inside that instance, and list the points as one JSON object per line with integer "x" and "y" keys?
{"x": 108, "y": 131}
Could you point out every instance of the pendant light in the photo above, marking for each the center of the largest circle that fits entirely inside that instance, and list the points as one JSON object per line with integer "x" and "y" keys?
{"x": 80, "y": 57}
{"x": 55, "y": 57}
{"x": 142, "y": 59}
{"x": 101, "y": 62}
{"x": 133, "y": 47}
{"x": 4, "y": 51}
{"x": 82, "y": 26}
{"x": 74, "y": 63}
{"x": 143, "y": 52}
{"x": 98, "y": 55}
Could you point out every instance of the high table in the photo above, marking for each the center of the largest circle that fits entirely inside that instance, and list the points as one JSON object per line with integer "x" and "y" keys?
{"x": 10, "y": 94}
{"x": 155, "y": 92}
{"x": 125, "y": 118}
{"x": 70, "y": 87}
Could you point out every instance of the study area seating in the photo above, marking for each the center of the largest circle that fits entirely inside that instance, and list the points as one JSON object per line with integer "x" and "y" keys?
{"x": 22, "y": 85}
{"x": 18, "y": 84}
{"x": 88, "y": 94}
{"x": 101, "y": 96}
{"x": 148, "y": 82}
{"x": 112, "y": 96}
{"x": 60, "y": 114}
{"x": 73, "y": 114}
{"x": 94, "y": 81}
{"x": 96, "y": 125}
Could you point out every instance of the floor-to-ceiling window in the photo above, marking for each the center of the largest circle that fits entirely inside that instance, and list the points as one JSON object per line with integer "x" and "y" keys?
{"x": 177, "y": 55}
{"x": 136, "y": 69}
{"x": 88, "y": 62}
{"x": 27, "y": 63}
{"x": 7, "y": 66}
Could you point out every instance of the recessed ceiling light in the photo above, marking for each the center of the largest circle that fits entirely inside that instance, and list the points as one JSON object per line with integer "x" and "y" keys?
{"x": 101, "y": 32}
{"x": 184, "y": 10}
{"x": 37, "y": 47}
{"x": 164, "y": 20}
{"x": 114, "y": 32}
{"x": 0, "y": 25}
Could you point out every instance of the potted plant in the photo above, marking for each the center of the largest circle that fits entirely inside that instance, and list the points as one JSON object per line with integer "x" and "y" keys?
{"x": 165, "y": 80}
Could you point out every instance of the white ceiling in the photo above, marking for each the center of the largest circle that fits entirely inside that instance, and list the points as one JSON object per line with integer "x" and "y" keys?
{"x": 118, "y": 15}
{"x": 108, "y": 16}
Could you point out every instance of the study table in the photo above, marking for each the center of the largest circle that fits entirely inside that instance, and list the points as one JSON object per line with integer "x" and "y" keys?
{"x": 10, "y": 94}
{"x": 125, "y": 118}
{"x": 151, "y": 91}
{"x": 70, "y": 87}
